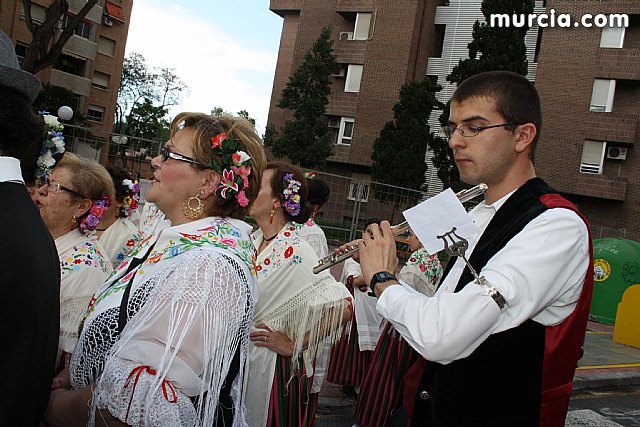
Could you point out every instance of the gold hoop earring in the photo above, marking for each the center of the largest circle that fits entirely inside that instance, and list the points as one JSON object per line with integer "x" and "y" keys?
{"x": 192, "y": 212}
{"x": 74, "y": 220}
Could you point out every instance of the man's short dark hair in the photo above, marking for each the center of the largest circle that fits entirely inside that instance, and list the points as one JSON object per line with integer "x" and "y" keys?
{"x": 516, "y": 98}
{"x": 21, "y": 130}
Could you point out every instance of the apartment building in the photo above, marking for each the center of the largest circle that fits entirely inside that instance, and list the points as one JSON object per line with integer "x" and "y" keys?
{"x": 91, "y": 63}
{"x": 589, "y": 83}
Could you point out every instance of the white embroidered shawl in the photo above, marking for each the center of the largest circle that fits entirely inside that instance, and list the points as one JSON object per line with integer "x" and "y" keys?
{"x": 118, "y": 240}
{"x": 83, "y": 268}
{"x": 367, "y": 318}
{"x": 422, "y": 272}
{"x": 192, "y": 301}
{"x": 295, "y": 301}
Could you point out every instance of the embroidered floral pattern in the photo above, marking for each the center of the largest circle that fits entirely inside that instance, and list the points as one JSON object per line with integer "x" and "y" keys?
{"x": 428, "y": 264}
{"x": 283, "y": 252}
{"x": 83, "y": 255}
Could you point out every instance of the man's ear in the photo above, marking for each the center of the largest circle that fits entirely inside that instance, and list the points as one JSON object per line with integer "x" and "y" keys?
{"x": 209, "y": 184}
{"x": 525, "y": 134}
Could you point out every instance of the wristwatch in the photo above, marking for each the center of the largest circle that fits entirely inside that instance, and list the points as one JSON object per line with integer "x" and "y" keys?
{"x": 380, "y": 277}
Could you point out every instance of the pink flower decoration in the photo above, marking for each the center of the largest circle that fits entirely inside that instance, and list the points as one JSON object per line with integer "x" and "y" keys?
{"x": 227, "y": 183}
{"x": 242, "y": 199}
{"x": 97, "y": 210}
{"x": 228, "y": 242}
{"x": 243, "y": 172}
{"x": 216, "y": 141}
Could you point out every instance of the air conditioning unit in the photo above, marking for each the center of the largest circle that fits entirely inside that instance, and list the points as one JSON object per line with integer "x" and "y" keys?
{"x": 346, "y": 36}
{"x": 334, "y": 122}
{"x": 616, "y": 153}
{"x": 107, "y": 21}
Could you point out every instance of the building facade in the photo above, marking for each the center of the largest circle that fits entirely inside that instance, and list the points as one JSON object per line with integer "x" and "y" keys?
{"x": 91, "y": 62}
{"x": 589, "y": 85}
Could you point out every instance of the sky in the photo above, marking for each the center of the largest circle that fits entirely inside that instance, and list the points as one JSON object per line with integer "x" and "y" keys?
{"x": 224, "y": 51}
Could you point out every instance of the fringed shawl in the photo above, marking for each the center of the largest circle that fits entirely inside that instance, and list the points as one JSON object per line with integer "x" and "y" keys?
{"x": 297, "y": 302}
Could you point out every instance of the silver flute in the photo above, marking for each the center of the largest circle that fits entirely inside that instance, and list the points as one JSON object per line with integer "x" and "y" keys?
{"x": 337, "y": 257}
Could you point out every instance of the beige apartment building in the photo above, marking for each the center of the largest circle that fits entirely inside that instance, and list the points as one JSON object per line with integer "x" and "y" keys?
{"x": 91, "y": 62}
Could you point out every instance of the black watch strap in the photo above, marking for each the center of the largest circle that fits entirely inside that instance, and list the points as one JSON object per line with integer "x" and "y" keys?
{"x": 380, "y": 277}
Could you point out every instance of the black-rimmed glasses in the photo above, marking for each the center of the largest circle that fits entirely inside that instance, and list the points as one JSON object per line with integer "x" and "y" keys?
{"x": 56, "y": 187}
{"x": 166, "y": 153}
{"x": 470, "y": 130}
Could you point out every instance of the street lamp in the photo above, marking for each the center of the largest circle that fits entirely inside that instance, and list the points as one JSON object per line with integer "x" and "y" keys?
{"x": 65, "y": 112}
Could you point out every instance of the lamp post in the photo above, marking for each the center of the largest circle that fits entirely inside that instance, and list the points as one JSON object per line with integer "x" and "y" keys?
{"x": 65, "y": 112}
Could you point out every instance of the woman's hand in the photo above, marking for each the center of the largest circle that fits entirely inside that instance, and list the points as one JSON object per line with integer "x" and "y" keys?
{"x": 275, "y": 341}
{"x": 62, "y": 380}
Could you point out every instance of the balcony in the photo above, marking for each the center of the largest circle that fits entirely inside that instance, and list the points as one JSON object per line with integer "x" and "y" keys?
{"x": 81, "y": 47}
{"x": 618, "y": 64}
{"x": 281, "y": 7}
{"x": 613, "y": 127}
{"x": 601, "y": 187}
{"x": 354, "y": 6}
{"x": 78, "y": 85}
{"x": 94, "y": 14}
{"x": 350, "y": 51}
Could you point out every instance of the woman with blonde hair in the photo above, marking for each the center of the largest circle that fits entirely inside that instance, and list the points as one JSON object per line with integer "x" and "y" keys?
{"x": 165, "y": 338}
{"x": 72, "y": 202}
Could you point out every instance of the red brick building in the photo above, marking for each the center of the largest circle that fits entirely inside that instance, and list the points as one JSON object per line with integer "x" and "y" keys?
{"x": 589, "y": 84}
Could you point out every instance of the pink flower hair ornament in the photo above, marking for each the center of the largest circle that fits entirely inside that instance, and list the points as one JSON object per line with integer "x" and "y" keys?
{"x": 98, "y": 208}
{"x": 233, "y": 166}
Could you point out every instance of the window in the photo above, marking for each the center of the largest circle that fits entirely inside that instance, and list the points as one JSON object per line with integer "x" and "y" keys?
{"x": 612, "y": 37}
{"x": 354, "y": 77}
{"x": 346, "y": 130}
{"x": 592, "y": 156}
{"x": 106, "y": 46}
{"x": 38, "y": 13}
{"x": 95, "y": 113}
{"x": 70, "y": 65}
{"x": 361, "y": 29}
{"x": 602, "y": 95}
{"x": 359, "y": 190}
{"x": 83, "y": 29}
{"x": 100, "y": 80}
{"x": 114, "y": 11}
{"x": 21, "y": 51}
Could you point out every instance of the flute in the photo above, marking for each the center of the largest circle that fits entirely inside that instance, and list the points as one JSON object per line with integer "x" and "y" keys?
{"x": 337, "y": 257}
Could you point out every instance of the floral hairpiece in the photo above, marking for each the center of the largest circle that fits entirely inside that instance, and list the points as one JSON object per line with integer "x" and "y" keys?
{"x": 52, "y": 146}
{"x": 132, "y": 196}
{"x": 309, "y": 175}
{"x": 291, "y": 196}
{"x": 234, "y": 168}
{"x": 99, "y": 207}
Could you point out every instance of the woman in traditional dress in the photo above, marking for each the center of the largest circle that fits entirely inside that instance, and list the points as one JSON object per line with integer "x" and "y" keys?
{"x": 165, "y": 338}
{"x": 351, "y": 356}
{"x": 297, "y": 309}
{"x": 116, "y": 231}
{"x": 319, "y": 193}
{"x": 381, "y": 390}
{"x": 71, "y": 203}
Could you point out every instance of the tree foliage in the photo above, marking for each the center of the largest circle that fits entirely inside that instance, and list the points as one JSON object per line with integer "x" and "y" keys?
{"x": 53, "y": 97}
{"x": 45, "y": 47}
{"x": 492, "y": 49}
{"x": 148, "y": 121}
{"x": 399, "y": 152}
{"x": 219, "y": 111}
{"x": 140, "y": 85}
{"x": 306, "y": 140}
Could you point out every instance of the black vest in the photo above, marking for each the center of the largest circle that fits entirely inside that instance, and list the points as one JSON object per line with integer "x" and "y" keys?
{"x": 499, "y": 384}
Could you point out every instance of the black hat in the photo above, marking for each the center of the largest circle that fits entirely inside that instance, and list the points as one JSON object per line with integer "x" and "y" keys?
{"x": 12, "y": 76}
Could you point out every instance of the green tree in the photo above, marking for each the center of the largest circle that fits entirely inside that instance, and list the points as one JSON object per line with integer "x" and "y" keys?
{"x": 219, "y": 111}
{"x": 492, "y": 49}
{"x": 47, "y": 41}
{"x": 306, "y": 139}
{"x": 148, "y": 121}
{"x": 399, "y": 152}
{"x": 53, "y": 97}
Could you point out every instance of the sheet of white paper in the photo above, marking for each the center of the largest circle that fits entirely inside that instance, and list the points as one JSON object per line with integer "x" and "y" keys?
{"x": 436, "y": 216}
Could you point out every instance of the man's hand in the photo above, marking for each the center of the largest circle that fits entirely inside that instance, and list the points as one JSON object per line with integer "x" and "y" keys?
{"x": 378, "y": 251}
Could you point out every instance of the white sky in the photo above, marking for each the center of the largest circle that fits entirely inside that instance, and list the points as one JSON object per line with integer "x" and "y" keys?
{"x": 225, "y": 52}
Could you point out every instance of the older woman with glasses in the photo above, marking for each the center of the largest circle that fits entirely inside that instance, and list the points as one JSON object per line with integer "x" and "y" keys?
{"x": 165, "y": 339}
{"x": 71, "y": 204}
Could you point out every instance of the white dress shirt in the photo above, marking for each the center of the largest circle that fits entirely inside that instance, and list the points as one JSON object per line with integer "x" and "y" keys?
{"x": 10, "y": 170}
{"x": 539, "y": 272}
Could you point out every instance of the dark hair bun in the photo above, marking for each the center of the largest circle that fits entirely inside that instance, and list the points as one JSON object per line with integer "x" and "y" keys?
{"x": 304, "y": 215}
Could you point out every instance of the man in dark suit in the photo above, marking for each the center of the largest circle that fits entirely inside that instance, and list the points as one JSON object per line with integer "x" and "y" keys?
{"x": 30, "y": 273}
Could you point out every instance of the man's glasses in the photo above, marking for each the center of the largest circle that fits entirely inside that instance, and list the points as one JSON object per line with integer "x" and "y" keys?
{"x": 166, "y": 154}
{"x": 56, "y": 187}
{"x": 470, "y": 130}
